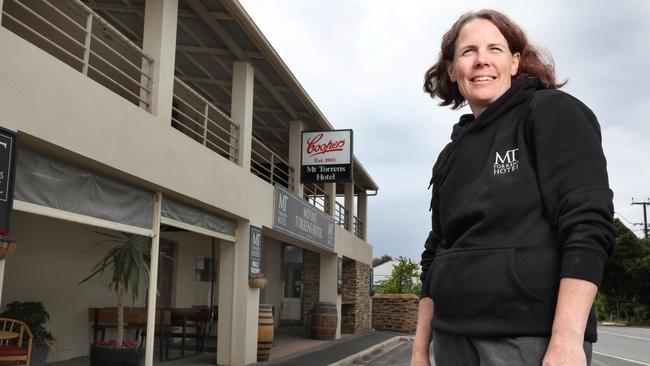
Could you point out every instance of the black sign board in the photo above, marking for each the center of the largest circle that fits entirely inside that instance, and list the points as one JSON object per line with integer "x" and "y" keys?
{"x": 7, "y": 177}
{"x": 326, "y": 156}
{"x": 255, "y": 252}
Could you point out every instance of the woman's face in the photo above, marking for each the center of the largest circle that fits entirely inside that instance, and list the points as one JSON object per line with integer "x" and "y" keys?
{"x": 482, "y": 65}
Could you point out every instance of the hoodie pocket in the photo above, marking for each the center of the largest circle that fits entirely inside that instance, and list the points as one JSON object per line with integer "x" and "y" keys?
{"x": 479, "y": 283}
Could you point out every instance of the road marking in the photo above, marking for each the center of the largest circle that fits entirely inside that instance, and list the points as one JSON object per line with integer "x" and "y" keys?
{"x": 624, "y": 335}
{"x": 622, "y": 358}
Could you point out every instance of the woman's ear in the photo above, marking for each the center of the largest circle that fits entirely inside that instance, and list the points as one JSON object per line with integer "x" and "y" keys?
{"x": 515, "y": 63}
{"x": 450, "y": 72}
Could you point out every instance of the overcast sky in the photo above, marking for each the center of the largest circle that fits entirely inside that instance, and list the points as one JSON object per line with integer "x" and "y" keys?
{"x": 363, "y": 61}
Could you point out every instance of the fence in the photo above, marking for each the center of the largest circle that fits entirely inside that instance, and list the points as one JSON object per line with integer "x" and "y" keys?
{"x": 79, "y": 37}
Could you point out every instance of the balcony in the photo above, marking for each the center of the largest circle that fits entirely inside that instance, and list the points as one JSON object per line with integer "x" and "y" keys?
{"x": 79, "y": 37}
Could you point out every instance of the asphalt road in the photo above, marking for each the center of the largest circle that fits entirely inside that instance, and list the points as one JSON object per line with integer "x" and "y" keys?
{"x": 616, "y": 346}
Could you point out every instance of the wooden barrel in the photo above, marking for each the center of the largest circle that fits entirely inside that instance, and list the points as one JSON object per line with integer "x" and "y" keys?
{"x": 324, "y": 319}
{"x": 264, "y": 332}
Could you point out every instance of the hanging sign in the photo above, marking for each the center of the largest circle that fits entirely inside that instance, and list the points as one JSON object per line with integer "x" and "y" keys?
{"x": 326, "y": 156}
{"x": 255, "y": 252}
{"x": 7, "y": 177}
{"x": 295, "y": 217}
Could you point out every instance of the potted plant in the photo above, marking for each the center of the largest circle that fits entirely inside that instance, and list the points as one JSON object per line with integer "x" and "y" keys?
{"x": 33, "y": 314}
{"x": 127, "y": 261}
{"x": 258, "y": 280}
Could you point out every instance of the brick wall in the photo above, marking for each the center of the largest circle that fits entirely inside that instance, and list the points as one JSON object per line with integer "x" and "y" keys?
{"x": 311, "y": 282}
{"x": 395, "y": 312}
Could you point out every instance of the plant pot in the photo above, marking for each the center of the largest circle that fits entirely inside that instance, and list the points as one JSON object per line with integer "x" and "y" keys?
{"x": 106, "y": 356}
{"x": 257, "y": 282}
{"x": 6, "y": 250}
{"x": 40, "y": 350}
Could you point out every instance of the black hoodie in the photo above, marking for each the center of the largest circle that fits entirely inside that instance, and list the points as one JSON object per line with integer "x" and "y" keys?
{"x": 520, "y": 199}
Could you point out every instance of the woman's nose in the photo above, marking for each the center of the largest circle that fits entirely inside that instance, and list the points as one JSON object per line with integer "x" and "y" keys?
{"x": 482, "y": 59}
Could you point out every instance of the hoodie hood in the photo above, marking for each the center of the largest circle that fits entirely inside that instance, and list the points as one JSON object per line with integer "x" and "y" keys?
{"x": 520, "y": 91}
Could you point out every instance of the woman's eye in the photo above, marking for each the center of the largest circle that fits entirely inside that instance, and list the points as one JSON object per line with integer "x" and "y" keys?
{"x": 496, "y": 49}
{"x": 468, "y": 51}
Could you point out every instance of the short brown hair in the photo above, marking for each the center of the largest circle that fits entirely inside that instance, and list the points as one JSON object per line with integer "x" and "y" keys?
{"x": 533, "y": 61}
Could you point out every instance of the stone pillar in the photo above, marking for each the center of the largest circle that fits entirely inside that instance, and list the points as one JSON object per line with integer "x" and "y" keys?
{"x": 330, "y": 204}
{"x": 295, "y": 141}
{"x": 362, "y": 213}
{"x": 355, "y": 296}
{"x": 328, "y": 286}
{"x": 349, "y": 204}
{"x": 241, "y": 109}
{"x": 311, "y": 282}
{"x": 238, "y": 303}
{"x": 159, "y": 42}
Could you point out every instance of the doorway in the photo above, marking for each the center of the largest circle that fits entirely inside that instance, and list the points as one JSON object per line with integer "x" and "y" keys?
{"x": 292, "y": 285}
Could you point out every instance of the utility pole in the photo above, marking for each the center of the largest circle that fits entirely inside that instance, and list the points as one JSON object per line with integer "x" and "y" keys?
{"x": 645, "y": 215}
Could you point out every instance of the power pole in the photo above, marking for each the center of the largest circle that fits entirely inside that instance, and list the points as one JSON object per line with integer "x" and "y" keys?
{"x": 645, "y": 215}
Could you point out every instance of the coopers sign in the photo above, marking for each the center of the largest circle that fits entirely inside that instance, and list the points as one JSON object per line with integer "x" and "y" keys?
{"x": 326, "y": 156}
{"x": 7, "y": 176}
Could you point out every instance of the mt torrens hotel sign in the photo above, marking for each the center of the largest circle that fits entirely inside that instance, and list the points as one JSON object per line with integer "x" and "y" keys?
{"x": 327, "y": 156}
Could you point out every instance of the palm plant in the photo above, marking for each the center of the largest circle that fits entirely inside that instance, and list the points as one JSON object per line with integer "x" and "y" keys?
{"x": 128, "y": 261}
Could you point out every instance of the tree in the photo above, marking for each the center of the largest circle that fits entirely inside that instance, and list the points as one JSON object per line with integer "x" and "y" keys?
{"x": 404, "y": 279}
{"x": 381, "y": 260}
{"x": 127, "y": 261}
{"x": 626, "y": 280}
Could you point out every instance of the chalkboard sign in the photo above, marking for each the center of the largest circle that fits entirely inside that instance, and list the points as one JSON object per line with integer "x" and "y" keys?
{"x": 255, "y": 252}
{"x": 7, "y": 177}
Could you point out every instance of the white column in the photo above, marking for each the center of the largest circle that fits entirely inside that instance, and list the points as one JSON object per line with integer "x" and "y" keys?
{"x": 241, "y": 109}
{"x": 349, "y": 204}
{"x": 159, "y": 42}
{"x": 330, "y": 191}
{"x": 328, "y": 285}
{"x": 2, "y": 265}
{"x": 153, "y": 282}
{"x": 362, "y": 201}
{"x": 295, "y": 140}
{"x": 238, "y": 303}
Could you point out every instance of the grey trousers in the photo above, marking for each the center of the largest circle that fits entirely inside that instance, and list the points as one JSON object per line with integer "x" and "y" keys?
{"x": 452, "y": 350}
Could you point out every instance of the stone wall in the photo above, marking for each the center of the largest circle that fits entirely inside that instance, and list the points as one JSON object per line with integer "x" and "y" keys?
{"x": 311, "y": 283}
{"x": 395, "y": 312}
{"x": 355, "y": 297}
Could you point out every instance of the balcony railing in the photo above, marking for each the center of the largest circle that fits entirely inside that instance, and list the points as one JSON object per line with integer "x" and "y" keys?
{"x": 341, "y": 215}
{"x": 357, "y": 227}
{"x": 316, "y": 196}
{"x": 271, "y": 167}
{"x": 73, "y": 33}
{"x": 196, "y": 117}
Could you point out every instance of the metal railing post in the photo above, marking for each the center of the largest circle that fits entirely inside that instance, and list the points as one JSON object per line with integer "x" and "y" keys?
{"x": 89, "y": 37}
{"x": 205, "y": 123}
{"x": 272, "y": 166}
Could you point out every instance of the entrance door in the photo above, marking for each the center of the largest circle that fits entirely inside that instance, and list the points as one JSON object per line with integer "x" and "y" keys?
{"x": 165, "y": 274}
{"x": 292, "y": 277}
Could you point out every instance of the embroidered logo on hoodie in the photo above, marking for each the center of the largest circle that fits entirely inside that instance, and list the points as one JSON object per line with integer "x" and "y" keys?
{"x": 506, "y": 163}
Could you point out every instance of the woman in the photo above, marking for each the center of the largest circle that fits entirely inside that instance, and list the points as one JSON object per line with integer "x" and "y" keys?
{"x": 521, "y": 208}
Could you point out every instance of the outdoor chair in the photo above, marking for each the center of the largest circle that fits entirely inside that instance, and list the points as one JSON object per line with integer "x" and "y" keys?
{"x": 15, "y": 342}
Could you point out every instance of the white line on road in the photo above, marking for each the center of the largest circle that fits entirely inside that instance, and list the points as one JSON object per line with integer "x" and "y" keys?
{"x": 622, "y": 358}
{"x": 623, "y": 335}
